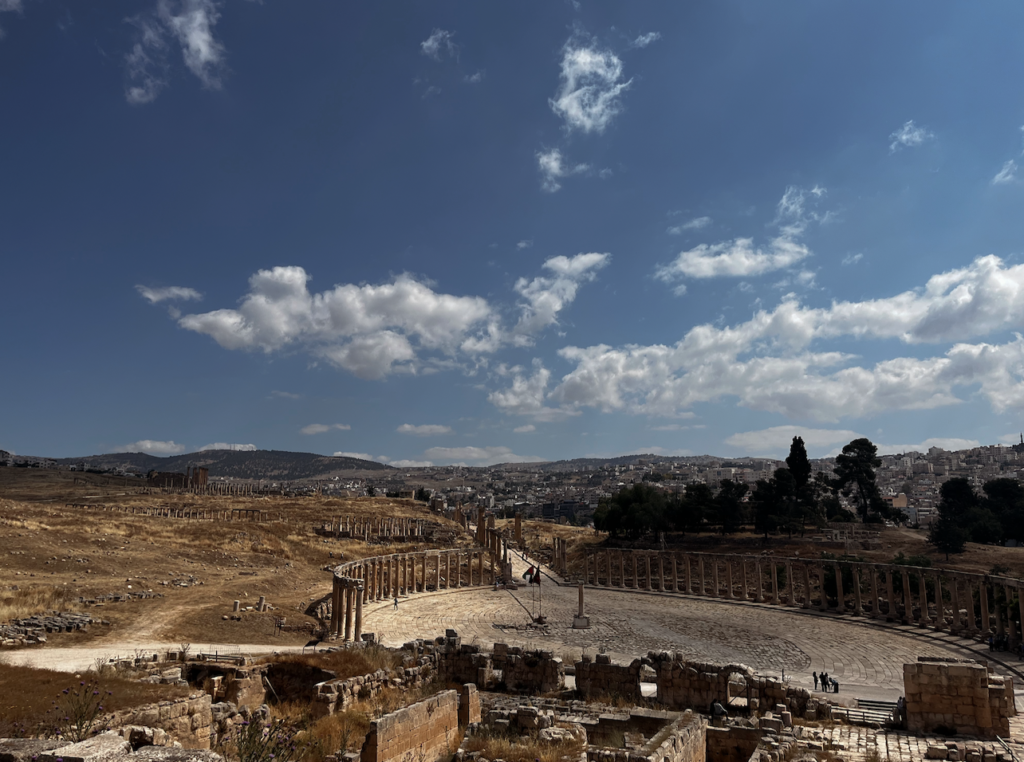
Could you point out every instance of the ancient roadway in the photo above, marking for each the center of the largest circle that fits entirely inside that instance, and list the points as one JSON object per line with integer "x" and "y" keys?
{"x": 866, "y": 659}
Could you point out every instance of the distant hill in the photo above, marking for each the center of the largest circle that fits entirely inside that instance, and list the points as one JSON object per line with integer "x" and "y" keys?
{"x": 276, "y": 465}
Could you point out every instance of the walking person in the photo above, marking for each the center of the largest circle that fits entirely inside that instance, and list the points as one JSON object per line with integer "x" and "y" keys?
{"x": 824, "y": 681}
{"x": 815, "y": 676}
{"x": 396, "y": 601}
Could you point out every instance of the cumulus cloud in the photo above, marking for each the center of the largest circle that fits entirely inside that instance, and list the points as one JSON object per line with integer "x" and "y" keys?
{"x": 643, "y": 40}
{"x": 740, "y": 257}
{"x": 546, "y": 296}
{"x": 525, "y": 244}
{"x": 527, "y": 396}
{"x": 777, "y": 439}
{"x": 527, "y": 429}
{"x": 9, "y": 6}
{"x": 482, "y": 456}
{"x": 908, "y": 136}
{"x": 153, "y": 447}
{"x": 439, "y": 44}
{"x": 155, "y": 295}
{"x": 228, "y": 446}
{"x": 590, "y": 86}
{"x": 1007, "y": 174}
{"x": 368, "y": 330}
{"x": 323, "y": 428}
{"x": 852, "y": 259}
{"x": 695, "y": 224}
{"x": 767, "y": 363}
{"x": 553, "y": 168}
{"x": 189, "y": 23}
{"x": 426, "y": 430}
{"x": 475, "y": 79}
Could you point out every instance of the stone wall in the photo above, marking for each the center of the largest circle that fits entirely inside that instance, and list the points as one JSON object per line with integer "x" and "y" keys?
{"x": 422, "y": 732}
{"x": 187, "y": 720}
{"x": 534, "y": 672}
{"x": 732, "y": 744}
{"x": 603, "y": 678}
{"x": 957, "y": 694}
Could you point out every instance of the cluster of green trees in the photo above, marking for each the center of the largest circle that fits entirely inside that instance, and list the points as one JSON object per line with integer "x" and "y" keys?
{"x": 788, "y": 501}
{"x": 993, "y": 517}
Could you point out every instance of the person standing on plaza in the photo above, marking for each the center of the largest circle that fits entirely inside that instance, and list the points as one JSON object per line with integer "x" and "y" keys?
{"x": 815, "y": 676}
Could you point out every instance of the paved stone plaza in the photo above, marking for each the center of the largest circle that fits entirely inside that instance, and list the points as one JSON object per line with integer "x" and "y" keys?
{"x": 867, "y": 659}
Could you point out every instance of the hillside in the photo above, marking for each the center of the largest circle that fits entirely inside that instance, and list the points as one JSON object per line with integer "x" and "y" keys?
{"x": 233, "y": 464}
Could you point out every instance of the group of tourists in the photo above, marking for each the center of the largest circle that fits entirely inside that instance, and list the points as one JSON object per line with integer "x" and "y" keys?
{"x": 827, "y": 683}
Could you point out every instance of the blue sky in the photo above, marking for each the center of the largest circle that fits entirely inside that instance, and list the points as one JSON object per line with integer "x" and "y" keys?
{"x": 480, "y": 232}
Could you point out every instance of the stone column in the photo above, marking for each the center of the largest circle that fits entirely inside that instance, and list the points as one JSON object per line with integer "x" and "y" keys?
{"x": 997, "y": 611}
{"x": 728, "y": 577}
{"x": 858, "y": 604}
{"x": 675, "y": 576}
{"x": 608, "y": 566}
{"x": 636, "y": 571}
{"x": 661, "y": 572}
{"x": 701, "y": 589}
{"x": 954, "y": 590}
{"x": 939, "y": 621}
{"x": 807, "y": 586}
{"x": 986, "y": 624}
{"x": 348, "y": 613}
{"x": 359, "y": 613}
{"x": 758, "y": 582}
{"x": 875, "y": 608}
{"x": 716, "y": 590}
{"x": 335, "y": 607}
{"x": 647, "y": 571}
{"x": 840, "y": 593}
{"x": 908, "y": 604}
{"x": 922, "y": 596}
{"x": 423, "y": 570}
{"x": 891, "y": 613}
{"x": 775, "y": 582}
{"x": 745, "y": 595}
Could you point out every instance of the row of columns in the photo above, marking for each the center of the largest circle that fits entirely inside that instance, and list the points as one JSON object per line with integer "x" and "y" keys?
{"x": 379, "y": 527}
{"x": 172, "y": 512}
{"x": 887, "y": 588}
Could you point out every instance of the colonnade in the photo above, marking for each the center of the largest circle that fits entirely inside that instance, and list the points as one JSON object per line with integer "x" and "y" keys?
{"x": 193, "y": 513}
{"x": 962, "y": 603}
{"x": 384, "y": 526}
{"x": 401, "y": 574}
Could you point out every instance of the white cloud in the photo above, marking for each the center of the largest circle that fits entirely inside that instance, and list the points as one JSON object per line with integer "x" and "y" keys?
{"x": 527, "y": 429}
{"x": 9, "y": 6}
{"x": 777, "y": 439}
{"x": 590, "y": 86}
{"x": 228, "y": 446}
{"x": 483, "y": 456}
{"x": 553, "y": 168}
{"x": 190, "y": 23}
{"x": 766, "y": 362}
{"x": 357, "y": 455}
{"x": 426, "y": 430}
{"x": 739, "y": 257}
{"x": 852, "y": 259}
{"x": 643, "y": 40}
{"x": 411, "y": 464}
{"x": 527, "y": 395}
{"x": 367, "y": 329}
{"x": 1007, "y": 174}
{"x": 695, "y": 224}
{"x": 285, "y": 395}
{"x": 525, "y": 244}
{"x": 475, "y": 79}
{"x": 321, "y": 428}
{"x": 153, "y": 447}
{"x": 439, "y": 44}
{"x": 545, "y": 297}
{"x": 909, "y": 136}
{"x": 155, "y": 295}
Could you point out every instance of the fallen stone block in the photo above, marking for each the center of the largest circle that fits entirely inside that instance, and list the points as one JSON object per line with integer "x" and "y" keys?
{"x": 105, "y": 747}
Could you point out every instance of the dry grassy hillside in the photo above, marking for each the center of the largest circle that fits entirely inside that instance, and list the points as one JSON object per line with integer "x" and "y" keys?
{"x": 51, "y": 555}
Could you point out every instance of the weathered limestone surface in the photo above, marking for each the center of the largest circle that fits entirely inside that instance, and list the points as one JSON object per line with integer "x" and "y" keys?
{"x": 957, "y": 694}
{"x": 426, "y": 730}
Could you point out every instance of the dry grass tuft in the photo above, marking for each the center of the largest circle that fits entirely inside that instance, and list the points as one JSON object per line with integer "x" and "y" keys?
{"x": 16, "y": 604}
{"x": 347, "y": 662}
{"x": 495, "y": 745}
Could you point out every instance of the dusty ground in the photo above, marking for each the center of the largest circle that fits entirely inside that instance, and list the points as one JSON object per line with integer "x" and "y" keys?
{"x": 51, "y": 555}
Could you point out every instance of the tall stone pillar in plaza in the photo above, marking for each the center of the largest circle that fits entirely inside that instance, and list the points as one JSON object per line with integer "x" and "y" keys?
{"x": 775, "y": 583}
{"x": 675, "y": 576}
{"x": 908, "y": 603}
{"x": 744, "y": 592}
{"x": 715, "y": 590}
{"x": 728, "y": 577}
{"x": 519, "y": 529}
{"x": 687, "y": 581}
{"x": 807, "y": 585}
{"x": 359, "y": 612}
{"x": 759, "y": 582}
{"x": 480, "y": 568}
{"x": 647, "y": 572}
{"x": 922, "y": 596}
{"x": 876, "y": 610}
{"x": 939, "y": 622}
{"x": 661, "y": 572}
{"x": 636, "y": 571}
{"x": 701, "y": 588}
